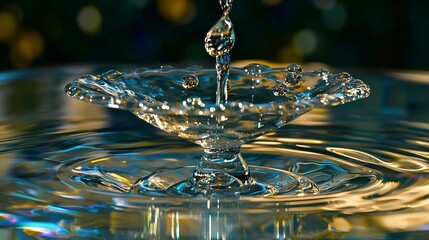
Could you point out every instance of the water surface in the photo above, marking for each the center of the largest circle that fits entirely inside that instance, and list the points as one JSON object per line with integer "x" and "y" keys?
{"x": 369, "y": 158}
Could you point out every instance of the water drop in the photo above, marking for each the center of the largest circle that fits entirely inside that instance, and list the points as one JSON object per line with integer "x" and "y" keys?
{"x": 294, "y": 68}
{"x": 220, "y": 38}
{"x": 255, "y": 69}
{"x": 322, "y": 72}
{"x": 293, "y": 78}
{"x": 280, "y": 90}
{"x": 190, "y": 81}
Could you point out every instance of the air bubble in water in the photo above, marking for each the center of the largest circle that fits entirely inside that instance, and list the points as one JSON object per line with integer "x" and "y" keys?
{"x": 190, "y": 81}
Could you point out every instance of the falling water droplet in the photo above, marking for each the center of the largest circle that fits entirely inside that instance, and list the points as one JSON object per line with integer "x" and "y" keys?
{"x": 220, "y": 38}
{"x": 190, "y": 81}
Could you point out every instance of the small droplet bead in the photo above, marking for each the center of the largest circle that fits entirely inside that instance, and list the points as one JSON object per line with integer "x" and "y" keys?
{"x": 293, "y": 78}
{"x": 294, "y": 68}
{"x": 190, "y": 81}
{"x": 280, "y": 90}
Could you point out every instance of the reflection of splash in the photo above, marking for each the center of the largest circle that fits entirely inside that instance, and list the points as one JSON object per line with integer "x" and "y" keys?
{"x": 85, "y": 117}
{"x": 397, "y": 203}
{"x": 412, "y": 76}
{"x": 393, "y": 184}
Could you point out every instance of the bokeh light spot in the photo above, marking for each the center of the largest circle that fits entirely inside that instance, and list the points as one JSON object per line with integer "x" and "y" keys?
{"x": 8, "y": 26}
{"x": 335, "y": 17}
{"x": 27, "y": 47}
{"x": 305, "y": 41}
{"x": 178, "y": 11}
{"x": 90, "y": 20}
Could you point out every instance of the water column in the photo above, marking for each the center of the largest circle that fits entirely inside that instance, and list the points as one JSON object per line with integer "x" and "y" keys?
{"x": 219, "y": 41}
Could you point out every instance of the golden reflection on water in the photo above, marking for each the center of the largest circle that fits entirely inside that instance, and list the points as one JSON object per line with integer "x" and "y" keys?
{"x": 412, "y": 76}
{"x": 84, "y": 117}
{"x": 401, "y": 209}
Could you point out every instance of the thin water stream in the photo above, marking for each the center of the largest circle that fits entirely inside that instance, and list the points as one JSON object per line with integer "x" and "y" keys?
{"x": 369, "y": 159}
{"x": 219, "y": 42}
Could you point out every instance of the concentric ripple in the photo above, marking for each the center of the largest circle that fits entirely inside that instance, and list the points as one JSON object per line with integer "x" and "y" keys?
{"x": 69, "y": 175}
{"x": 352, "y": 172}
{"x": 89, "y": 172}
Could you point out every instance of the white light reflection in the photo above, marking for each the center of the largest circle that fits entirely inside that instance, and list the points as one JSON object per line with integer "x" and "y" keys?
{"x": 175, "y": 225}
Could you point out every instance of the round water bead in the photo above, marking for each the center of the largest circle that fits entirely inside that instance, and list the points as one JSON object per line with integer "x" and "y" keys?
{"x": 190, "y": 81}
{"x": 294, "y": 68}
{"x": 280, "y": 90}
{"x": 255, "y": 69}
{"x": 293, "y": 78}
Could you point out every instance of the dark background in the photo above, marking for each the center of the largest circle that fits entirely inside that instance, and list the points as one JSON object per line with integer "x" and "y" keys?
{"x": 368, "y": 33}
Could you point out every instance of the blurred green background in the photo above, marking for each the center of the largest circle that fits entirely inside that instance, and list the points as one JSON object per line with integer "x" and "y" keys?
{"x": 367, "y": 33}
